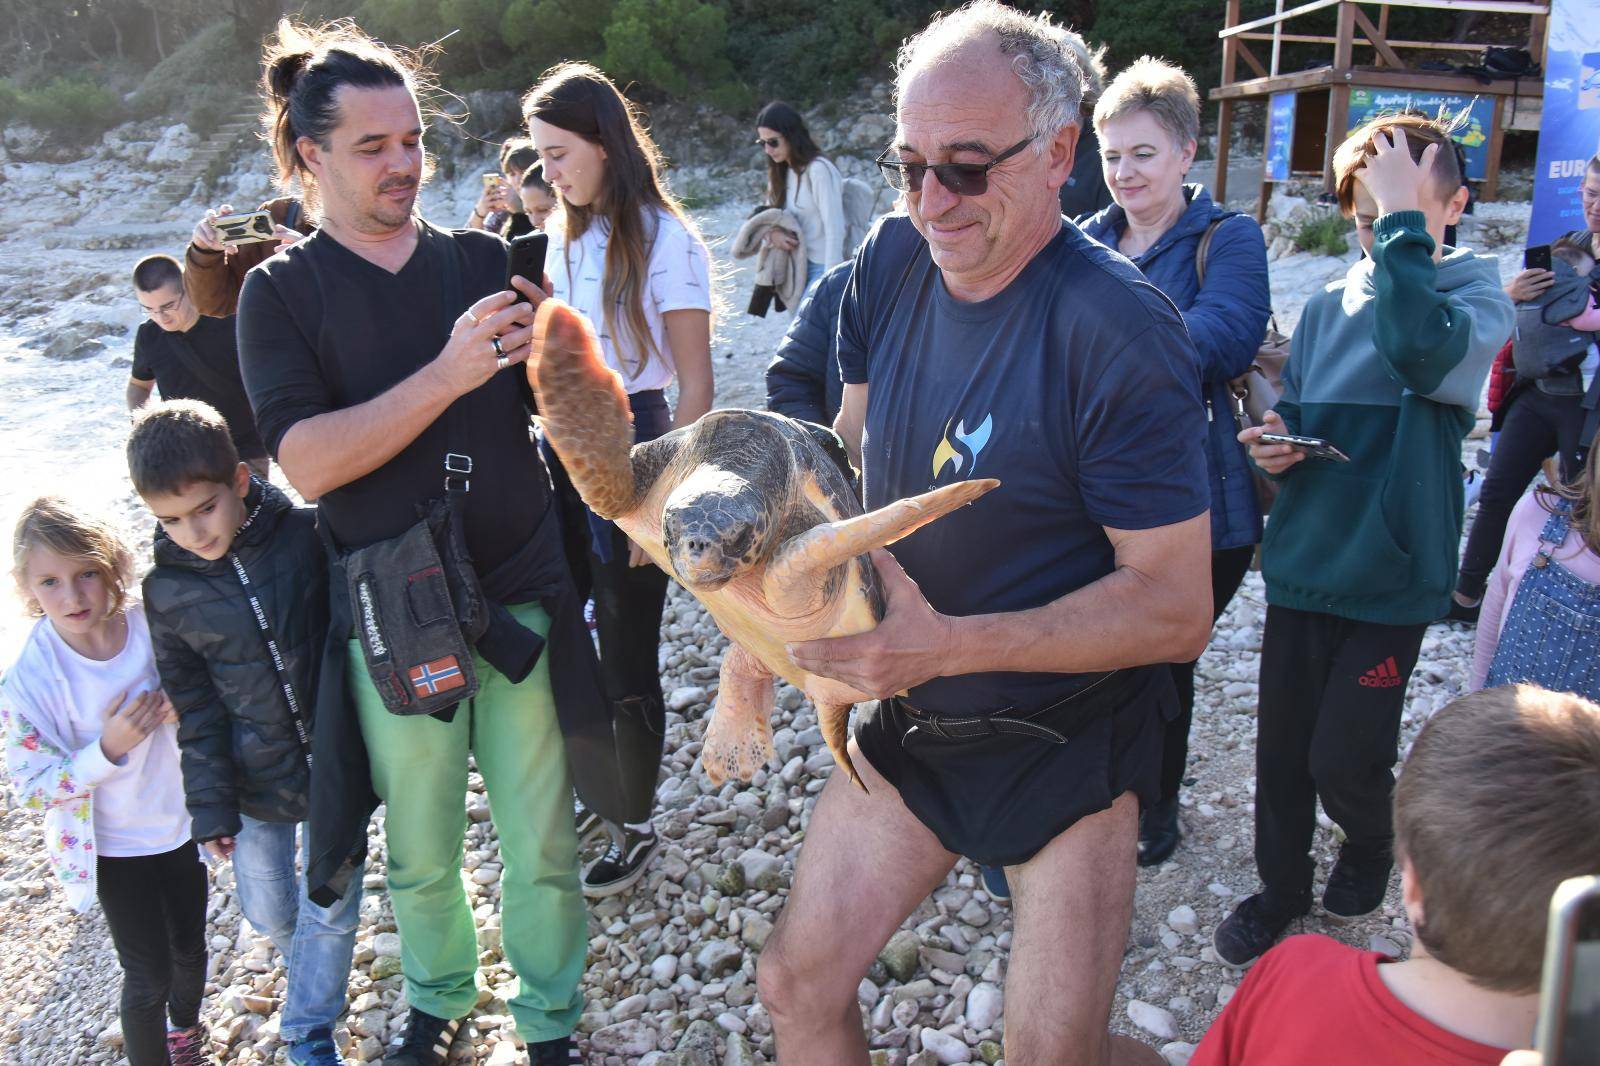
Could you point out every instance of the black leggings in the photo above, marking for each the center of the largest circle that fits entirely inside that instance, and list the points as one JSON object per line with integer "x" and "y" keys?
{"x": 1228, "y": 567}
{"x": 155, "y": 906}
{"x": 1537, "y": 425}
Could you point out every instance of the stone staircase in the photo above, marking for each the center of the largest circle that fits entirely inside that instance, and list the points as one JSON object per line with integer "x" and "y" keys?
{"x": 179, "y": 182}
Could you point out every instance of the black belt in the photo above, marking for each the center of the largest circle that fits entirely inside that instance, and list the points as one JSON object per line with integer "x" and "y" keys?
{"x": 959, "y": 727}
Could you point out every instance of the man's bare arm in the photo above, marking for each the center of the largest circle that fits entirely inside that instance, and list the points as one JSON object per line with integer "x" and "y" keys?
{"x": 851, "y": 420}
{"x": 1154, "y": 607}
{"x": 138, "y": 393}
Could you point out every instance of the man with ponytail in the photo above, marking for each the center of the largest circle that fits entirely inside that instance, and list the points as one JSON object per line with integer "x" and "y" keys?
{"x": 382, "y": 358}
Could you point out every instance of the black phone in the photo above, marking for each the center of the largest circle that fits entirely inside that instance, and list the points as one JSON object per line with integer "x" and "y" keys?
{"x": 1314, "y": 447}
{"x": 1569, "y": 990}
{"x": 1536, "y": 258}
{"x": 525, "y": 258}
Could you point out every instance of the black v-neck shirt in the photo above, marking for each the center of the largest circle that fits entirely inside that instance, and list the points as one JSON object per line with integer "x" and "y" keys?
{"x": 322, "y": 329}
{"x": 169, "y": 357}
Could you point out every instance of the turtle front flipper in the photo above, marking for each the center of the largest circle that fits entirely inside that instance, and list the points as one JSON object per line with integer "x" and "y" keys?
{"x": 793, "y": 581}
{"x": 738, "y": 738}
{"x": 584, "y": 409}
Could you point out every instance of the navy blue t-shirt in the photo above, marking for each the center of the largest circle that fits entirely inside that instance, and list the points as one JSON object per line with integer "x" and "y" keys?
{"x": 1076, "y": 386}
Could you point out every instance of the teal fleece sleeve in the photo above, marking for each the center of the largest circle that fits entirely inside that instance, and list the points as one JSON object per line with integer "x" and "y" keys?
{"x": 1421, "y": 333}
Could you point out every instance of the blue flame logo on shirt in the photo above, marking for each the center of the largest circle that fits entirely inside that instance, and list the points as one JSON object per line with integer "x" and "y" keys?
{"x": 974, "y": 443}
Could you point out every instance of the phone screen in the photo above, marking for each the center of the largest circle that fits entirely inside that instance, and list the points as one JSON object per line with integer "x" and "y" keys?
{"x": 1536, "y": 258}
{"x": 1569, "y": 994}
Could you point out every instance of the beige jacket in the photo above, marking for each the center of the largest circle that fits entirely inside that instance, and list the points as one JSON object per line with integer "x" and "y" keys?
{"x": 784, "y": 272}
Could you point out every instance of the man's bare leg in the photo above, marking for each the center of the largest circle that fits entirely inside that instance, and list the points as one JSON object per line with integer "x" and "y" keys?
{"x": 1072, "y": 904}
{"x": 866, "y": 864}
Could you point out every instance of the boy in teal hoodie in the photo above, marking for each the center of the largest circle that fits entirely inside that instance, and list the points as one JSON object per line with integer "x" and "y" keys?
{"x": 1388, "y": 366}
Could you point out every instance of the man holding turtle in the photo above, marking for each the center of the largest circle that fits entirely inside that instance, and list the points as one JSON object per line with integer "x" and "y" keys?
{"x": 983, "y": 336}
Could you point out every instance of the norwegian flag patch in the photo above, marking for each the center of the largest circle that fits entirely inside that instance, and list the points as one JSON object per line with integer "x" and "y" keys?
{"x": 441, "y": 675}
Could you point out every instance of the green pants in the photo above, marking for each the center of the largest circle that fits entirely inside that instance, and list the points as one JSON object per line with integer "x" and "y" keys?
{"x": 419, "y": 769}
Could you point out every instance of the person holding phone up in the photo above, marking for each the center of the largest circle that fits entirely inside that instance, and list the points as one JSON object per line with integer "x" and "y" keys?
{"x": 633, "y": 263}
{"x": 1359, "y": 557}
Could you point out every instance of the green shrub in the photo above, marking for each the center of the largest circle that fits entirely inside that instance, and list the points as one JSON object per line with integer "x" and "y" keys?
{"x": 1325, "y": 233}
{"x": 69, "y": 108}
{"x": 208, "y": 68}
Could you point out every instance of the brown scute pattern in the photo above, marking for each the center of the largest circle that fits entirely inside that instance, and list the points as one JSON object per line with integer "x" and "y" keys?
{"x": 584, "y": 409}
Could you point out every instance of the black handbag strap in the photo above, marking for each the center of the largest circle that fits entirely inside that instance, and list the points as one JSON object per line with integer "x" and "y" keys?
{"x": 457, "y": 460}
{"x": 295, "y": 712}
{"x": 192, "y": 361}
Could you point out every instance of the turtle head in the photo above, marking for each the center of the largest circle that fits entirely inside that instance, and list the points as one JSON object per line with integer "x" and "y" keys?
{"x": 715, "y": 526}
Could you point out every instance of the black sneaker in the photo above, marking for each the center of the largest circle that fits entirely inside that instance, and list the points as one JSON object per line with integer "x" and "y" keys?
{"x": 1358, "y": 882}
{"x": 1159, "y": 833}
{"x": 588, "y": 822}
{"x": 427, "y": 1041}
{"x": 622, "y": 865}
{"x": 1255, "y": 925}
{"x": 558, "y": 1052}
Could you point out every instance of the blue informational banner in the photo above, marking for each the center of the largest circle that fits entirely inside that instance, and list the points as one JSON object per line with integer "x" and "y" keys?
{"x": 1280, "y": 135}
{"x": 1472, "y": 135}
{"x": 1569, "y": 128}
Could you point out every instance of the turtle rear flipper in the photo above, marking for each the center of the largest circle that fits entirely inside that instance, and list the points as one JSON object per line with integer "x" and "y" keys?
{"x": 583, "y": 408}
{"x": 738, "y": 739}
{"x": 794, "y": 577}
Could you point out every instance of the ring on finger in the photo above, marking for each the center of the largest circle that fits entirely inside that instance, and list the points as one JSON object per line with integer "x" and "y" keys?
{"x": 498, "y": 351}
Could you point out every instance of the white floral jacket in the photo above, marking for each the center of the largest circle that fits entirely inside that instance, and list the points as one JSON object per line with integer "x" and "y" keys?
{"x": 49, "y": 777}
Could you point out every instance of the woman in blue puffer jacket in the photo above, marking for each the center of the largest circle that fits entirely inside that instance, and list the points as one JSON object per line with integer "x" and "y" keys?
{"x": 1148, "y": 120}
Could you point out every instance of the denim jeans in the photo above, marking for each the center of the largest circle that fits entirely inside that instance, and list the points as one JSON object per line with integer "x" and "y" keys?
{"x": 814, "y": 272}
{"x": 316, "y": 942}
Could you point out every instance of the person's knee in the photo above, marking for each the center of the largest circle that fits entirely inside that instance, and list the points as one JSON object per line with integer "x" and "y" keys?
{"x": 794, "y": 989}
{"x": 144, "y": 995}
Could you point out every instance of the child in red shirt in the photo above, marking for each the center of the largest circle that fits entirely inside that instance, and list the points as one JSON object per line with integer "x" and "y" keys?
{"x": 1485, "y": 829}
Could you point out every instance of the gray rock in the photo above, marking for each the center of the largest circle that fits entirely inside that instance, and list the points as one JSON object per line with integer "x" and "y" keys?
{"x": 1156, "y": 1021}
{"x": 681, "y": 699}
{"x": 699, "y": 1045}
{"x": 630, "y": 1039}
{"x": 739, "y": 1053}
{"x": 946, "y": 1048}
{"x": 984, "y": 1004}
{"x": 717, "y": 958}
{"x": 761, "y": 869}
{"x": 1183, "y": 920}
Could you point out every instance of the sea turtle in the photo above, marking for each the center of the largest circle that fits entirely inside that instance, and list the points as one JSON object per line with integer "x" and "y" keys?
{"x": 752, "y": 512}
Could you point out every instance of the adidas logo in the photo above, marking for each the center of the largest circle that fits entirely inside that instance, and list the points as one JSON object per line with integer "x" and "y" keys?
{"x": 1385, "y": 675}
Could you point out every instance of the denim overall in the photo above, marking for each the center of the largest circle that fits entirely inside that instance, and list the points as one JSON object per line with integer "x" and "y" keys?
{"x": 1551, "y": 636}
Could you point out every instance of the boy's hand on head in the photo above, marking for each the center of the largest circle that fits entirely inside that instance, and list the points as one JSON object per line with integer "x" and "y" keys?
{"x": 1393, "y": 179}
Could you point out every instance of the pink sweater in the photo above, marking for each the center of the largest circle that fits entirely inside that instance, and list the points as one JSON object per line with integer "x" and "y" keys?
{"x": 1589, "y": 320}
{"x": 1521, "y": 544}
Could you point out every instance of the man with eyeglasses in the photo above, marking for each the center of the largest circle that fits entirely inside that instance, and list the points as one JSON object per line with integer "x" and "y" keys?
{"x": 1019, "y": 721}
{"x": 189, "y": 356}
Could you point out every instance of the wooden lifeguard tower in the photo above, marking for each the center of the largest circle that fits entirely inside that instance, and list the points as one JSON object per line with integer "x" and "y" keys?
{"x": 1311, "y": 111}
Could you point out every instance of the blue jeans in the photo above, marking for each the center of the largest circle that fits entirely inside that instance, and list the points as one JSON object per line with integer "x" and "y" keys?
{"x": 316, "y": 943}
{"x": 814, "y": 272}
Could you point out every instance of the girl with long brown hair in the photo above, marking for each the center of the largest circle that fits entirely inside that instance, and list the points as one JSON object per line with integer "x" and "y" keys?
{"x": 624, "y": 253}
{"x": 804, "y": 182}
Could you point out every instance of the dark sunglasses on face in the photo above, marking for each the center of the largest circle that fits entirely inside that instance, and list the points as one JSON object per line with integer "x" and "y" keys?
{"x": 770, "y": 142}
{"x": 963, "y": 179}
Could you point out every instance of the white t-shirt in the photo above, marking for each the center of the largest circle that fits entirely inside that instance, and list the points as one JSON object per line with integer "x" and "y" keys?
{"x": 679, "y": 280}
{"x": 816, "y": 198}
{"x": 139, "y": 809}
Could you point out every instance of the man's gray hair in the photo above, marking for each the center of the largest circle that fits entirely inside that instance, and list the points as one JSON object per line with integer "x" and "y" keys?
{"x": 1092, "y": 63}
{"x": 1040, "y": 52}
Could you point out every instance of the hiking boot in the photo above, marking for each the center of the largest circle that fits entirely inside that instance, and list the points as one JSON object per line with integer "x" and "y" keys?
{"x": 995, "y": 883}
{"x": 1255, "y": 925}
{"x": 558, "y": 1052}
{"x": 1158, "y": 833}
{"x": 317, "y": 1049}
{"x": 187, "y": 1047}
{"x": 623, "y": 863}
{"x": 1358, "y": 882}
{"x": 427, "y": 1041}
{"x": 588, "y": 822}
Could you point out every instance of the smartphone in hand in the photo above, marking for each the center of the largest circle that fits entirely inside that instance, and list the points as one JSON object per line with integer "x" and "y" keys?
{"x": 1569, "y": 989}
{"x": 1536, "y": 258}
{"x": 1314, "y": 447}
{"x": 251, "y": 227}
{"x": 525, "y": 259}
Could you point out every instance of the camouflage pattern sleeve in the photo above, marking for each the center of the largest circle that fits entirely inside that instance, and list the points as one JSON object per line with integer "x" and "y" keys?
{"x": 205, "y": 729}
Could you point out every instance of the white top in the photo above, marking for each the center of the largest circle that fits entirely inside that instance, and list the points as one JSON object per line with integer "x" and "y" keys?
{"x": 139, "y": 807}
{"x": 679, "y": 280}
{"x": 816, "y": 198}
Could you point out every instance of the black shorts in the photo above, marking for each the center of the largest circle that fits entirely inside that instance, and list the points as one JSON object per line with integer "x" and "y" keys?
{"x": 1000, "y": 799}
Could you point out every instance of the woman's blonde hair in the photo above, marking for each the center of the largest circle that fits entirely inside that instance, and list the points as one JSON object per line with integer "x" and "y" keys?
{"x": 58, "y": 525}
{"x": 1161, "y": 88}
{"x": 579, "y": 98}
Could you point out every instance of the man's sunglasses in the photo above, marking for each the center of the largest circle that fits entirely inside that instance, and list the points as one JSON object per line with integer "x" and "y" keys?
{"x": 770, "y": 142}
{"x": 963, "y": 179}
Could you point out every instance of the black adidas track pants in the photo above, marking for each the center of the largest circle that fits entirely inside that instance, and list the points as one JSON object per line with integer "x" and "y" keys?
{"x": 1327, "y": 727}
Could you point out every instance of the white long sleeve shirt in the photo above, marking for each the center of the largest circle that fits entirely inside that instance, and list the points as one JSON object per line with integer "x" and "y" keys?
{"x": 816, "y": 197}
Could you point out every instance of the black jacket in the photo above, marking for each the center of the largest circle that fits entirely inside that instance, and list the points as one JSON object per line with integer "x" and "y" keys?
{"x": 803, "y": 378}
{"x": 242, "y": 748}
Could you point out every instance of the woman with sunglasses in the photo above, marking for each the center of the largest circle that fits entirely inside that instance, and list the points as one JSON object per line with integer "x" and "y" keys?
{"x": 625, "y": 255}
{"x": 806, "y": 183}
{"x": 1148, "y": 120}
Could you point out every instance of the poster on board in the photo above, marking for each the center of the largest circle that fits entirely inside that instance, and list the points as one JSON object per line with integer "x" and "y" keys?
{"x": 1569, "y": 129}
{"x": 1280, "y": 135}
{"x": 1477, "y": 117}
